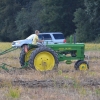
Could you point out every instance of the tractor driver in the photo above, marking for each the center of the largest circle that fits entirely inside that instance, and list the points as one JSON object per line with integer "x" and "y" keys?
{"x": 35, "y": 38}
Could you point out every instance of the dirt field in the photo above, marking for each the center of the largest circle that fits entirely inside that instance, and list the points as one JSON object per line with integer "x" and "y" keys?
{"x": 63, "y": 84}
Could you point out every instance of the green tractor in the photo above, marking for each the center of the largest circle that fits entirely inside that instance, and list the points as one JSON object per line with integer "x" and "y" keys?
{"x": 47, "y": 57}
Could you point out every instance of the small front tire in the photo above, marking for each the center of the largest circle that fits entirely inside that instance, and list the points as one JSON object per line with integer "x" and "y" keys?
{"x": 82, "y": 66}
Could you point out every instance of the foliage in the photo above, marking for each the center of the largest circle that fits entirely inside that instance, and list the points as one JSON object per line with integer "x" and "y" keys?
{"x": 87, "y": 21}
{"x": 27, "y": 21}
{"x": 20, "y": 18}
{"x": 8, "y": 10}
{"x": 57, "y": 15}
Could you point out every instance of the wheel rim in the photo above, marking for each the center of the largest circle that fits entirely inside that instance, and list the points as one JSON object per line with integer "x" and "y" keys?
{"x": 83, "y": 66}
{"x": 27, "y": 56}
{"x": 44, "y": 61}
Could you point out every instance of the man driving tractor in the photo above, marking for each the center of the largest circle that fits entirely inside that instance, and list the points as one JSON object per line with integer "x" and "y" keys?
{"x": 35, "y": 40}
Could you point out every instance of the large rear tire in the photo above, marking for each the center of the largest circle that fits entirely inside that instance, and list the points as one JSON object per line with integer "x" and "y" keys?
{"x": 24, "y": 57}
{"x": 43, "y": 59}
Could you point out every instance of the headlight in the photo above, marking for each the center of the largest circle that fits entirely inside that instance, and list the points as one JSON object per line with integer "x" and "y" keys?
{"x": 15, "y": 43}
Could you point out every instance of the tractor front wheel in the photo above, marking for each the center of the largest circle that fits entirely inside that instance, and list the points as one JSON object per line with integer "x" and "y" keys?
{"x": 81, "y": 65}
{"x": 76, "y": 66}
{"x": 43, "y": 59}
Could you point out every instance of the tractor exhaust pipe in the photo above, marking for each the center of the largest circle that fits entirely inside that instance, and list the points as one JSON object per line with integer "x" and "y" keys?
{"x": 74, "y": 38}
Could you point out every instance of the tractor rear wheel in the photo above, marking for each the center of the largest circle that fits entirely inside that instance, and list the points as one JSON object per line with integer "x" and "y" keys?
{"x": 82, "y": 65}
{"x": 43, "y": 59}
{"x": 24, "y": 56}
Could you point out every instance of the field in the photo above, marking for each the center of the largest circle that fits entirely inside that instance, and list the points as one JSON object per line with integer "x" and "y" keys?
{"x": 64, "y": 84}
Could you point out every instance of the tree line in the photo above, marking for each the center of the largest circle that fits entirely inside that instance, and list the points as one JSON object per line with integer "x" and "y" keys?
{"x": 20, "y": 18}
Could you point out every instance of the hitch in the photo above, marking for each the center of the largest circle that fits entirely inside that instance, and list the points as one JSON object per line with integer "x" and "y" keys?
{"x": 4, "y": 65}
{"x": 8, "y": 50}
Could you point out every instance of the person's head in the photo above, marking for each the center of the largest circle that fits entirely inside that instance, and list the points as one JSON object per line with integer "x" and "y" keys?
{"x": 37, "y": 32}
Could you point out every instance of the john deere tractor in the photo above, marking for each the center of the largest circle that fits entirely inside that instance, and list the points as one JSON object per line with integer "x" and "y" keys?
{"x": 47, "y": 57}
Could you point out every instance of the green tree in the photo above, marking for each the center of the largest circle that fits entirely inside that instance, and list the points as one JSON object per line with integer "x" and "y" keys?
{"x": 28, "y": 21}
{"x": 8, "y": 10}
{"x": 88, "y": 26}
{"x": 83, "y": 25}
{"x": 19, "y": 18}
{"x": 57, "y": 15}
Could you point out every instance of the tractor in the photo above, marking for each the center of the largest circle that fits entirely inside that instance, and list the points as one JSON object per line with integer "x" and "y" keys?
{"x": 47, "y": 57}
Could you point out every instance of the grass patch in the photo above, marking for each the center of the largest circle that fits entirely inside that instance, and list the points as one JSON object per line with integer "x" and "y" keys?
{"x": 14, "y": 93}
{"x": 97, "y": 91}
{"x": 5, "y": 45}
{"x": 92, "y": 46}
{"x": 83, "y": 91}
{"x": 60, "y": 72}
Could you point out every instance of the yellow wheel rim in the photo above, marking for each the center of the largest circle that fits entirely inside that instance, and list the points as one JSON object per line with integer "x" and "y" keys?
{"x": 27, "y": 56}
{"x": 83, "y": 67}
{"x": 44, "y": 61}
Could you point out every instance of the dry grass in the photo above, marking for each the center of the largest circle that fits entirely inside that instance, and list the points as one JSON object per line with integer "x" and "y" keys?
{"x": 65, "y": 84}
{"x": 92, "y": 46}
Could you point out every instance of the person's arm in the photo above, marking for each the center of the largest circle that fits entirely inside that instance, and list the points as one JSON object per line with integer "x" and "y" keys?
{"x": 37, "y": 39}
{"x": 40, "y": 41}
